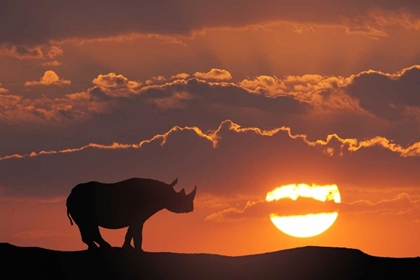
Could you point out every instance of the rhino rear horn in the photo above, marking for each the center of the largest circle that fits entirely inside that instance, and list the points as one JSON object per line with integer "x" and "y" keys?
{"x": 174, "y": 183}
{"x": 182, "y": 192}
{"x": 191, "y": 195}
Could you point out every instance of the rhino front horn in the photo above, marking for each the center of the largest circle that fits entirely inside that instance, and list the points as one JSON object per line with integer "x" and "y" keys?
{"x": 191, "y": 195}
{"x": 174, "y": 183}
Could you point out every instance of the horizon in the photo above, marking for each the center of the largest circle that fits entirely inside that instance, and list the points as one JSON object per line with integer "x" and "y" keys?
{"x": 263, "y": 107}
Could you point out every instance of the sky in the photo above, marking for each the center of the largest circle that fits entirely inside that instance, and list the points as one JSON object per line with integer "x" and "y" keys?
{"x": 236, "y": 97}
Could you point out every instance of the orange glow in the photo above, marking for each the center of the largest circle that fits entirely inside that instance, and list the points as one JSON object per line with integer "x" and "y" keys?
{"x": 304, "y": 225}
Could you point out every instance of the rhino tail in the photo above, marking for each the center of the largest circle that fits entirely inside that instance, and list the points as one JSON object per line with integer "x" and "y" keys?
{"x": 68, "y": 215}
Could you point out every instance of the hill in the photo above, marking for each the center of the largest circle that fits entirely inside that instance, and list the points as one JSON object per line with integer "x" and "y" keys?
{"x": 300, "y": 263}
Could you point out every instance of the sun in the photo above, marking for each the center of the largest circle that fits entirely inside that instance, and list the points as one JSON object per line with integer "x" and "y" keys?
{"x": 310, "y": 224}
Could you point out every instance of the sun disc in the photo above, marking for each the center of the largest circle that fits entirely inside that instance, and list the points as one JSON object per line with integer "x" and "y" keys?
{"x": 304, "y": 225}
{"x": 310, "y": 224}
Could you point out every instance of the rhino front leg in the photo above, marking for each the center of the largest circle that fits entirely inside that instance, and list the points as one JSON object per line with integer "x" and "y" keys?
{"x": 88, "y": 237}
{"x": 138, "y": 238}
{"x": 98, "y": 238}
{"x": 134, "y": 232}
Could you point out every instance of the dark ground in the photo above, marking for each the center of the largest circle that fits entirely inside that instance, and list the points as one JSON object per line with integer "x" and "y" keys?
{"x": 299, "y": 263}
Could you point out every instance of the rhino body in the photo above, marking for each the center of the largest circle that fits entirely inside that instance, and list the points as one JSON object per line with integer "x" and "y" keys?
{"x": 128, "y": 203}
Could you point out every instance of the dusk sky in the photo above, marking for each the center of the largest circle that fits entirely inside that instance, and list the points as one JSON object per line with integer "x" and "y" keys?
{"x": 236, "y": 97}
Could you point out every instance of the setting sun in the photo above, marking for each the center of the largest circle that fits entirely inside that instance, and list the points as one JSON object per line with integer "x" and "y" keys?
{"x": 310, "y": 224}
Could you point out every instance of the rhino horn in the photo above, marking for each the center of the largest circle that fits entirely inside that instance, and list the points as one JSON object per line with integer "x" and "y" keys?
{"x": 191, "y": 195}
{"x": 174, "y": 183}
{"x": 182, "y": 192}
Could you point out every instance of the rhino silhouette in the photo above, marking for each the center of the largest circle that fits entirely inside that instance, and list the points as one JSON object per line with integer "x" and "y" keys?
{"x": 127, "y": 203}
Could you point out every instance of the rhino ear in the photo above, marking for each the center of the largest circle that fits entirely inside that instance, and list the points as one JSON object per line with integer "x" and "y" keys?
{"x": 191, "y": 195}
{"x": 174, "y": 183}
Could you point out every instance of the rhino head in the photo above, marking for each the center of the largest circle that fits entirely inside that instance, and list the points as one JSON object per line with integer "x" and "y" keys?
{"x": 180, "y": 202}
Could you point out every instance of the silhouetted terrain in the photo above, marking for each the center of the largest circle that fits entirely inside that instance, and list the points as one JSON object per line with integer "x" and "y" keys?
{"x": 299, "y": 263}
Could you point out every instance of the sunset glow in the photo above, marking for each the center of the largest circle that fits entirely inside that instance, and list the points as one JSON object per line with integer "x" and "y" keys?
{"x": 294, "y": 118}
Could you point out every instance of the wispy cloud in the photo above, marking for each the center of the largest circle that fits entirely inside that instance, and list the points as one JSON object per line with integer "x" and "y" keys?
{"x": 401, "y": 204}
{"x": 214, "y": 136}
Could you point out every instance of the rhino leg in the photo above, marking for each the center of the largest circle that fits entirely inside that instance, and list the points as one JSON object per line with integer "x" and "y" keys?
{"x": 88, "y": 236}
{"x": 98, "y": 238}
{"x": 86, "y": 229}
{"x": 134, "y": 232}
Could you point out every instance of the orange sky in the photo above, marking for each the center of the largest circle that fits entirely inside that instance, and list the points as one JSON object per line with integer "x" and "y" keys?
{"x": 236, "y": 99}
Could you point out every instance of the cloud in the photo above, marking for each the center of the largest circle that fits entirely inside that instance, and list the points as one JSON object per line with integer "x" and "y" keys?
{"x": 308, "y": 95}
{"x": 263, "y": 97}
{"x": 214, "y": 136}
{"x": 180, "y": 76}
{"x": 176, "y": 101}
{"x": 376, "y": 22}
{"x": 221, "y": 94}
{"x": 3, "y": 90}
{"x": 53, "y": 52}
{"x": 388, "y": 96}
{"x": 155, "y": 80}
{"x": 17, "y": 110}
{"x": 21, "y": 52}
{"x": 116, "y": 85}
{"x": 214, "y": 74}
{"x": 401, "y": 204}
{"x": 58, "y": 22}
{"x": 316, "y": 90}
{"x": 24, "y": 52}
{"x": 51, "y": 63}
{"x": 262, "y": 209}
{"x": 49, "y": 78}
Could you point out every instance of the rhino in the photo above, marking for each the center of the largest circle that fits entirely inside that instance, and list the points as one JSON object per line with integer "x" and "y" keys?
{"x": 127, "y": 203}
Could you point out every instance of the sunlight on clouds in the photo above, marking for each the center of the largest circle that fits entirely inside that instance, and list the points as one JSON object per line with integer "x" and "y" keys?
{"x": 214, "y": 74}
{"x": 116, "y": 85}
{"x": 49, "y": 78}
{"x": 293, "y": 191}
{"x": 310, "y": 95}
{"x": 351, "y": 144}
{"x": 2, "y": 90}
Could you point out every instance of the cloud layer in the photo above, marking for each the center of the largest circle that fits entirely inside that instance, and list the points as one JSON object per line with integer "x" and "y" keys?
{"x": 88, "y": 20}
